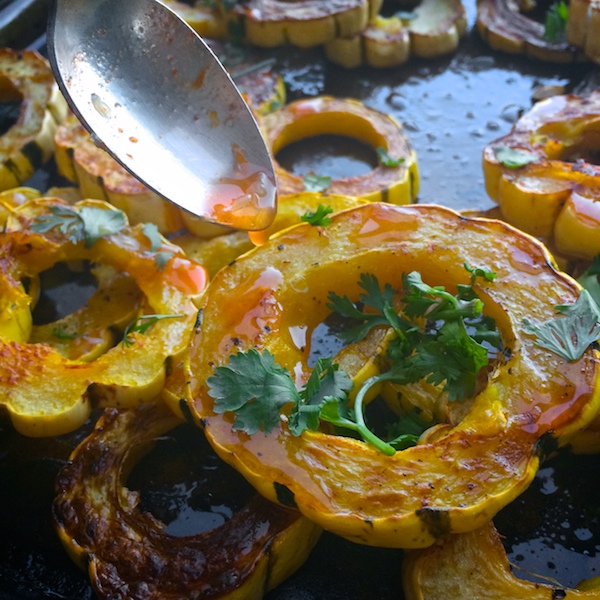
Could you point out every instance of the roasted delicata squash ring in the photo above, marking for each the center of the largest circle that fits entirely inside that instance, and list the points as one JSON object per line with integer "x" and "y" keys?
{"x": 48, "y": 394}
{"x": 583, "y": 27}
{"x": 434, "y": 30}
{"x": 504, "y": 28}
{"x": 304, "y": 23}
{"x": 474, "y": 565}
{"x": 124, "y": 549}
{"x": 550, "y": 198}
{"x": 99, "y": 176}
{"x": 346, "y": 117}
{"x": 93, "y": 329}
{"x": 452, "y": 484}
{"x": 26, "y": 76}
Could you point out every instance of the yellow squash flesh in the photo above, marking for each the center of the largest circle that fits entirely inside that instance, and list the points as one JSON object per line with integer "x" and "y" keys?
{"x": 434, "y": 30}
{"x": 474, "y": 565}
{"x": 552, "y": 198}
{"x": 277, "y": 295}
{"x": 26, "y": 76}
{"x": 583, "y": 27}
{"x": 100, "y": 177}
{"x": 124, "y": 549}
{"x": 44, "y": 392}
{"x": 346, "y": 117}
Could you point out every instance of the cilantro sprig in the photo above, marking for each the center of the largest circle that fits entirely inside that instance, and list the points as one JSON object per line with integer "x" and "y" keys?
{"x": 513, "y": 158}
{"x": 316, "y": 183}
{"x": 319, "y": 216}
{"x": 86, "y": 224}
{"x": 142, "y": 324}
{"x": 386, "y": 160}
{"x": 572, "y": 331}
{"x": 555, "y": 24}
{"x": 589, "y": 279}
{"x": 437, "y": 336}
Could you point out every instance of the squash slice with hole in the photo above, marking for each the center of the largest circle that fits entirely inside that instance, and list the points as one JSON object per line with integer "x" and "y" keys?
{"x": 475, "y": 565}
{"x": 302, "y": 119}
{"x": 48, "y": 394}
{"x": 454, "y": 483}
{"x": 550, "y": 197}
{"x": 303, "y": 23}
{"x": 124, "y": 549}
{"x": 93, "y": 329}
{"x": 26, "y": 77}
{"x": 504, "y": 28}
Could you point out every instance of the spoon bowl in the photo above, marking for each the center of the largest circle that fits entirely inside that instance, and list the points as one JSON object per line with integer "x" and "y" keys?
{"x": 154, "y": 95}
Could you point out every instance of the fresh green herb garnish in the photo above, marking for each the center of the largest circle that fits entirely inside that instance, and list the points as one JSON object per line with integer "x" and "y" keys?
{"x": 571, "y": 332}
{"x": 142, "y": 324}
{"x": 88, "y": 224}
{"x": 162, "y": 258}
{"x": 316, "y": 183}
{"x": 255, "y": 388}
{"x": 61, "y": 334}
{"x": 589, "y": 279}
{"x": 556, "y": 22}
{"x": 513, "y": 159}
{"x": 386, "y": 160}
{"x": 431, "y": 341}
{"x": 150, "y": 230}
{"x": 319, "y": 216}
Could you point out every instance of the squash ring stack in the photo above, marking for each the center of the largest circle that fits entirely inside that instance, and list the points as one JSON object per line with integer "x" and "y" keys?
{"x": 346, "y": 117}
{"x": 452, "y": 484}
{"x": 550, "y": 198}
{"x": 28, "y": 144}
{"x": 126, "y": 551}
{"x": 48, "y": 394}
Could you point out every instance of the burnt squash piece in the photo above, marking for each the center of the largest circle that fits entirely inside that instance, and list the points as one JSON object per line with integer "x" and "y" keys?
{"x": 128, "y": 554}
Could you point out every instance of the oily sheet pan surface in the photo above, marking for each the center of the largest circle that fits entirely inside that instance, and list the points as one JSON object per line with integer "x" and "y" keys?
{"x": 450, "y": 109}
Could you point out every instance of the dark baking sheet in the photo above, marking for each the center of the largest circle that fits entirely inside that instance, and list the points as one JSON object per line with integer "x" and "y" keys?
{"x": 450, "y": 108}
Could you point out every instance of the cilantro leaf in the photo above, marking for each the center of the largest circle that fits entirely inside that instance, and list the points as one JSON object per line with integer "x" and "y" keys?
{"x": 255, "y": 388}
{"x": 99, "y": 222}
{"x": 88, "y": 224}
{"x": 590, "y": 281}
{"x": 142, "y": 324}
{"x": 386, "y": 160}
{"x": 571, "y": 333}
{"x": 150, "y": 230}
{"x": 555, "y": 24}
{"x": 319, "y": 216}
{"x": 162, "y": 258}
{"x": 63, "y": 218}
{"x": 316, "y": 183}
{"x": 512, "y": 158}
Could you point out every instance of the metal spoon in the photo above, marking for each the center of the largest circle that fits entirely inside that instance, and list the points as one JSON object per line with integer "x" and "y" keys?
{"x": 154, "y": 95}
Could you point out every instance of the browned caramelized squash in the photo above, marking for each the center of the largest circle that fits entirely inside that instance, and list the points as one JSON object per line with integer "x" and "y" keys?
{"x": 46, "y": 393}
{"x": 128, "y": 554}
{"x": 504, "y": 28}
{"x": 474, "y": 565}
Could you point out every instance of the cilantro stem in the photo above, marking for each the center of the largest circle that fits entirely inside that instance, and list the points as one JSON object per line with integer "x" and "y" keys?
{"x": 366, "y": 434}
